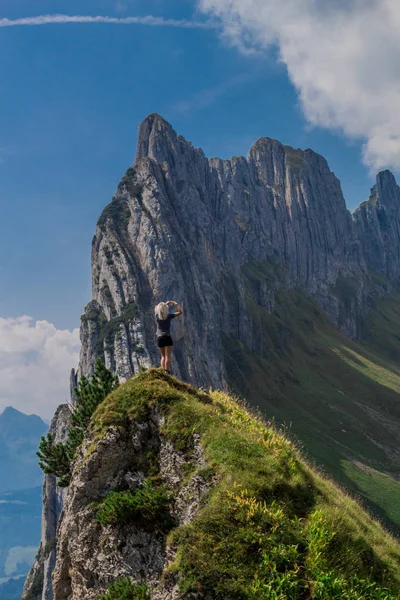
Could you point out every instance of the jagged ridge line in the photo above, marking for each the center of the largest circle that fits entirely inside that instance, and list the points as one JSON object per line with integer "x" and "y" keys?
{"x": 146, "y": 20}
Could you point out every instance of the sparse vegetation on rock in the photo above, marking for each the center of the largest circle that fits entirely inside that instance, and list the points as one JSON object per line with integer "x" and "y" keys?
{"x": 148, "y": 505}
{"x": 57, "y": 458}
{"x": 266, "y": 525}
{"x": 124, "y": 589}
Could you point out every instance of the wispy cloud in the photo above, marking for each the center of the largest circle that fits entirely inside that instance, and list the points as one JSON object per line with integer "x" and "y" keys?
{"x": 146, "y": 20}
{"x": 208, "y": 96}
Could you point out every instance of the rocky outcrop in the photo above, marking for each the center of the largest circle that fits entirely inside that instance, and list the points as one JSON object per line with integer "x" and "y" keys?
{"x": 221, "y": 237}
{"x": 184, "y": 227}
{"x": 377, "y": 224}
{"x": 38, "y": 585}
{"x": 185, "y": 495}
{"x": 118, "y": 462}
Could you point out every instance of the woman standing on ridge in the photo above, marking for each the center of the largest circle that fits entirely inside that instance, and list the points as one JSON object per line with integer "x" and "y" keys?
{"x": 164, "y": 339}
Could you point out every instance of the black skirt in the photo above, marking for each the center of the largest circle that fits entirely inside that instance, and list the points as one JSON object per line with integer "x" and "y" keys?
{"x": 164, "y": 340}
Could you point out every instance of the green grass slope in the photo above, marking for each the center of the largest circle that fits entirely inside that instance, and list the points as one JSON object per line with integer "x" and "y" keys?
{"x": 270, "y": 527}
{"x": 339, "y": 397}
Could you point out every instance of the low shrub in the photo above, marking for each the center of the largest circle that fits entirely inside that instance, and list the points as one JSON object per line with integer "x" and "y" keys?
{"x": 124, "y": 589}
{"x": 148, "y": 505}
{"x": 51, "y": 544}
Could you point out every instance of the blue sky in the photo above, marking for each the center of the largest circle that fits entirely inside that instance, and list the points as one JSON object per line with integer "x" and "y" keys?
{"x": 73, "y": 96}
{"x": 72, "y": 99}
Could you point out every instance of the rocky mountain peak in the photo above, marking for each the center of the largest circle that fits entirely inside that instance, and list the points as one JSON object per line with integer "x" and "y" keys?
{"x": 10, "y": 414}
{"x": 14, "y": 424}
{"x": 183, "y": 226}
{"x": 159, "y": 142}
{"x": 154, "y": 134}
{"x": 268, "y": 264}
{"x": 263, "y": 145}
{"x": 387, "y": 190}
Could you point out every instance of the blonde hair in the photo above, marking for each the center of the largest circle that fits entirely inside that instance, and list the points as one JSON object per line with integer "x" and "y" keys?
{"x": 162, "y": 311}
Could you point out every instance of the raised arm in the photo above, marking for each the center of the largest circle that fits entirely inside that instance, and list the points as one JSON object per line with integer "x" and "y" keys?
{"x": 179, "y": 310}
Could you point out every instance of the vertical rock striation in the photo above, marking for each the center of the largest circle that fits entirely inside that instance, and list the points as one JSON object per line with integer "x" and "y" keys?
{"x": 377, "y": 225}
{"x": 201, "y": 231}
{"x": 38, "y": 585}
{"x": 184, "y": 227}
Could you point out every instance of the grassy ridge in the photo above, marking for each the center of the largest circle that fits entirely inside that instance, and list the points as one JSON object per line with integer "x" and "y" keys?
{"x": 373, "y": 485}
{"x": 271, "y": 527}
{"x": 339, "y": 397}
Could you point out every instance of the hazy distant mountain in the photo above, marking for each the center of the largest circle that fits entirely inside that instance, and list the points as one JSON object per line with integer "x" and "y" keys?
{"x": 20, "y": 498}
{"x": 20, "y": 520}
{"x": 19, "y": 439}
{"x": 12, "y": 589}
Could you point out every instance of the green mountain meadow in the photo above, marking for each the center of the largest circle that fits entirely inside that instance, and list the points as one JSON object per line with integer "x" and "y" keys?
{"x": 339, "y": 398}
{"x": 270, "y": 526}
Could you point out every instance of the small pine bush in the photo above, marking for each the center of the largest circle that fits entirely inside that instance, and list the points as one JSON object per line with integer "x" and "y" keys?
{"x": 51, "y": 544}
{"x": 57, "y": 459}
{"x": 124, "y": 589}
{"x": 148, "y": 505}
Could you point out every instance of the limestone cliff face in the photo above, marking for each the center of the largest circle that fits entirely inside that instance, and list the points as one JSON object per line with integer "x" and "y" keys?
{"x": 38, "y": 585}
{"x": 183, "y": 227}
{"x": 377, "y": 224}
{"x": 91, "y": 556}
{"x": 195, "y": 230}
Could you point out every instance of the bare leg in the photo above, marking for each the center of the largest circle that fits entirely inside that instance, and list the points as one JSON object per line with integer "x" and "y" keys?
{"x": 168, "y": 358}
{"x": 163, "y": 357}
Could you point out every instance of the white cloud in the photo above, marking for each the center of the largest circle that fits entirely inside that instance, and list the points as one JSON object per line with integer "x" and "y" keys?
{"x": 35, "y": 363}
{"x": 64, "y": 19}
{"x": 343, "y": 58}
{"x": 19, "y": 555}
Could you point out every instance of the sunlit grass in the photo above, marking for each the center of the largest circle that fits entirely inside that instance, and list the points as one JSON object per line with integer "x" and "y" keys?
{"x": 338, "y": 397}
{"x": 373, "y": 370}
{"x": 371, "y": 483}
{"x": 270, "y": 527}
